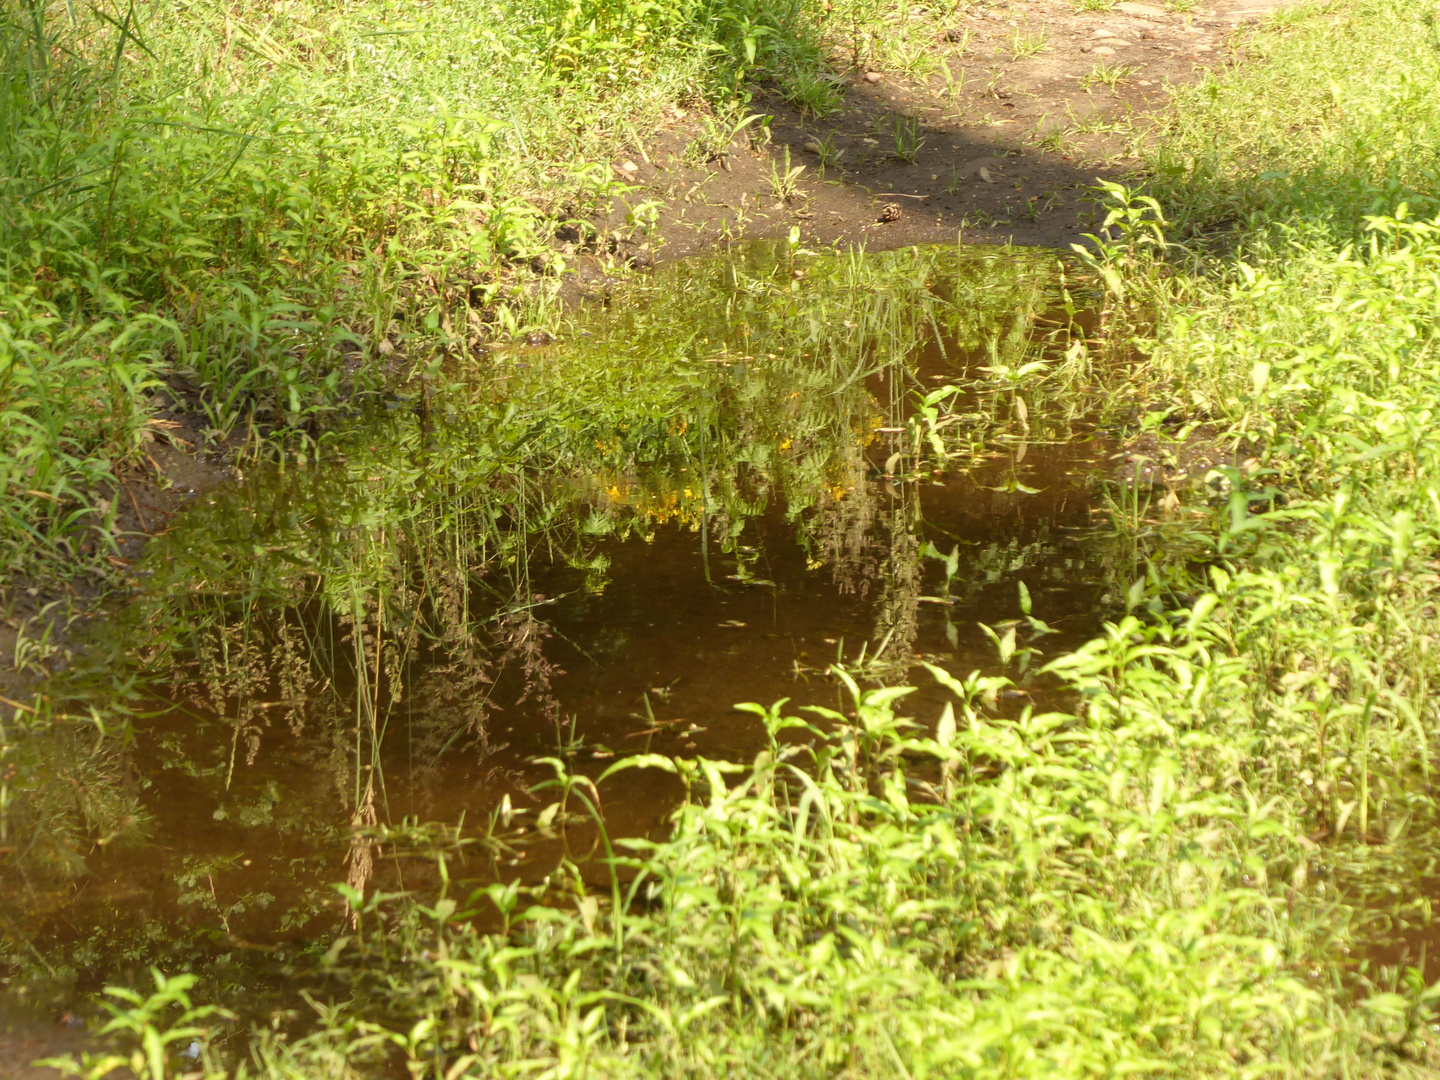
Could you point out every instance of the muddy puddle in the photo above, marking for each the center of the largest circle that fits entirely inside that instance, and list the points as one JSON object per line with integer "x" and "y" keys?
{"x": 704, "y": 494}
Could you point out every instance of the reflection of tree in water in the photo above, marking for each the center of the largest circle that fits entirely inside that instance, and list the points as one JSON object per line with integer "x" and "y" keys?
{"x": 896, "y": 616}
{"x": 522, "y": 637}
{"x": 840, "y": 530}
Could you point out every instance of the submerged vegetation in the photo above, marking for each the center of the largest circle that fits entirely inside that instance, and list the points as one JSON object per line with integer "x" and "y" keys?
{"x": 1199, "y": 843}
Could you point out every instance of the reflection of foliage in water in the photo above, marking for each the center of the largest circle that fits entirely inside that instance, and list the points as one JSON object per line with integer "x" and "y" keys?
{"x": 726, "y": 386}
{"x": 393, "y": 581}
{"x": 76, "y": 792}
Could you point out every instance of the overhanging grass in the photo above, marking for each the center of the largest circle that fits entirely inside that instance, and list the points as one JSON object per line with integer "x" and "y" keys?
{"x": 1247, "y": 788}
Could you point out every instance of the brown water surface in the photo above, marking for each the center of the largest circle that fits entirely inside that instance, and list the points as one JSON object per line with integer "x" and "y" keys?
{"x": 780, "y": 512}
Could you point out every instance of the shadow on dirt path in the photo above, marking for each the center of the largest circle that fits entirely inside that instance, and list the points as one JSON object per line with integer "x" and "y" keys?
{"x": 1007, "y": 119}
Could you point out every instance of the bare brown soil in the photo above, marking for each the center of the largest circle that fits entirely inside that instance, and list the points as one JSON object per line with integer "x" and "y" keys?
{"x": 1010, "y": 146}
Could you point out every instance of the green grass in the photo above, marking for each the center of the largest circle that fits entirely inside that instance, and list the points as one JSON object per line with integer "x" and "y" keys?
{"x": 274, "y": 209}
{"x": 1181, "y": 874}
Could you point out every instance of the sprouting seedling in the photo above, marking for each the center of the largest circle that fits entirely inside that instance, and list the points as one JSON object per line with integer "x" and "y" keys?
{"x": 954, "y": 85}
{"x": 826, "y": 150}
{"x": 645, "y": 216}
{"x": 1005, "y": 638}
{"x": 1110, "y": 75}
{"x": 908, "y": 140}
{"x": 1038, "y": 627}
{"x": 785, "y": 181}
{"x": 950, "y": 562}
{"x": 929, "y": 420}
{"x": 1023, "y": 43}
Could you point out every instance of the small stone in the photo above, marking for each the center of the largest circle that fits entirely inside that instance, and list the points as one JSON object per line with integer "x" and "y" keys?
{"x": 985, "y": 175}
{"x": 934, "y": 176}
{"x": 811, "y": 146}
{"x": 1143, "y": 10}
{"x": 1086, "y": 48}
{"x": 1144, "y": 82}
{"x": 873, "y": 76}
{"x": 628, "y": 167}
{"x": 1103, "y": 50}
{"x": 1147, "y": 35}
{"x": 1102, "y": 32}
{"x": 1202, "y": 48}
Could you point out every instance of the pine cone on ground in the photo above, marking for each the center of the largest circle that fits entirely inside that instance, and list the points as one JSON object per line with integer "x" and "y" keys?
{"x": 889, "y": 212}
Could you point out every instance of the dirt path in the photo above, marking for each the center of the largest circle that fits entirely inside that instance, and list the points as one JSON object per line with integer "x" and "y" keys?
{"x": 1039, "y": 101}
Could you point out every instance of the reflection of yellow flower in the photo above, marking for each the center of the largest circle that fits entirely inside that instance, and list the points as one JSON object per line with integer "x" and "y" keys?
{"x": 868, "y": 436}
{"x": 655, "y": 502}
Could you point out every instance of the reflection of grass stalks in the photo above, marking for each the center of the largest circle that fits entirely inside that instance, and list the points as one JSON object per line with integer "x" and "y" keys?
{"x": 394, "y": 621}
